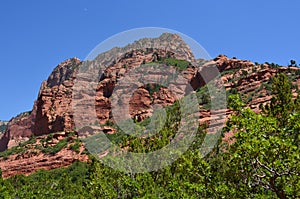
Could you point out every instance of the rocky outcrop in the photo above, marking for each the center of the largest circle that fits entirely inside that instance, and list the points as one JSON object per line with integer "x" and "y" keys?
{"x": 224, "y": 63}
{"x": 18, "y": 130}
{"x": 32, "y": 159}
{"x": 53, "y": 111}
{"x": 115, "y": 64}
{"x": 29, "y": 164}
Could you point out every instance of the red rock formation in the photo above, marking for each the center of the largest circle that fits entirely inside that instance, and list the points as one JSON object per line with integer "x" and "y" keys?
{"x": 53, "y": 106}
{"x": 33, "y": 159}
{"x": 53, "y": 110}
{"x": 18, "y": 130}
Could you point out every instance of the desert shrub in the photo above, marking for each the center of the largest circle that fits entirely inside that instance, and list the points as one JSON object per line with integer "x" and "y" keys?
{"x": 75, "y": 146}
{"x": 261, "y": 95}
{"x": 233, "y": 91}
{"x": 52, "y": 150}
{"x": 151, "y": 88}
{"x": 179, "y": 64}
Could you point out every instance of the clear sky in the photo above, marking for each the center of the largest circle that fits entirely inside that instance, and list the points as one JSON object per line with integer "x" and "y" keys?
{"x": 37, "y": 35}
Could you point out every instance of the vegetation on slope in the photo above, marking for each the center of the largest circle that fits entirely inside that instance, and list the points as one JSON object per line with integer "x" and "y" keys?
{"x": 180, "y": 65}
{"x": 44, "y": 144}
{"x": 237, "y": 76}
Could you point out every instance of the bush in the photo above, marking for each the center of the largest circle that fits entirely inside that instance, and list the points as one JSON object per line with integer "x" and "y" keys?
{"x": 54, "y": 149}
{"x": 75, "y": 146}
{"x": 151, "y": 88}
{"x": 233, "y": 91}
{"x": 179, "y": 64}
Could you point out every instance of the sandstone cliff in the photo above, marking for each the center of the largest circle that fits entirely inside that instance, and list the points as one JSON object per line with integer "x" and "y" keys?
{"x": 52, "y": 111}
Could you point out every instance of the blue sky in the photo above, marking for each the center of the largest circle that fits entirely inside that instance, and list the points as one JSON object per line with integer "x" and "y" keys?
{"x": 37, "y": 35}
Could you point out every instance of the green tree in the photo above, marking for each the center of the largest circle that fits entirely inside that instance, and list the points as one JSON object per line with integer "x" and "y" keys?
{"x": 282, "y": 104}
{"x": 5, "y": 188}
{"x": 293, "y": 63}
{"x": 264, "y": 157}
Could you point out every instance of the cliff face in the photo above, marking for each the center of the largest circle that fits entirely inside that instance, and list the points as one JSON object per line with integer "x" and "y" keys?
{"x": 52, "y": 111}
{"x": 115, "y": 64}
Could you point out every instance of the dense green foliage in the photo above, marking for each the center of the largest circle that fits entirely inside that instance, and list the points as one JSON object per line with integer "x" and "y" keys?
{"x": 58, "y": 183}
{"x": 151, "y": 88}
{"x": 265, "y": 154}
{"x": 178, "y": 64}
{"x": 262, "y": 162}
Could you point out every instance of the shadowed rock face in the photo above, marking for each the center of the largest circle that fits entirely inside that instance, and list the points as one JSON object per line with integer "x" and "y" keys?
{"x": 18, "y": 130}
{"x": 4, "y": 141}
